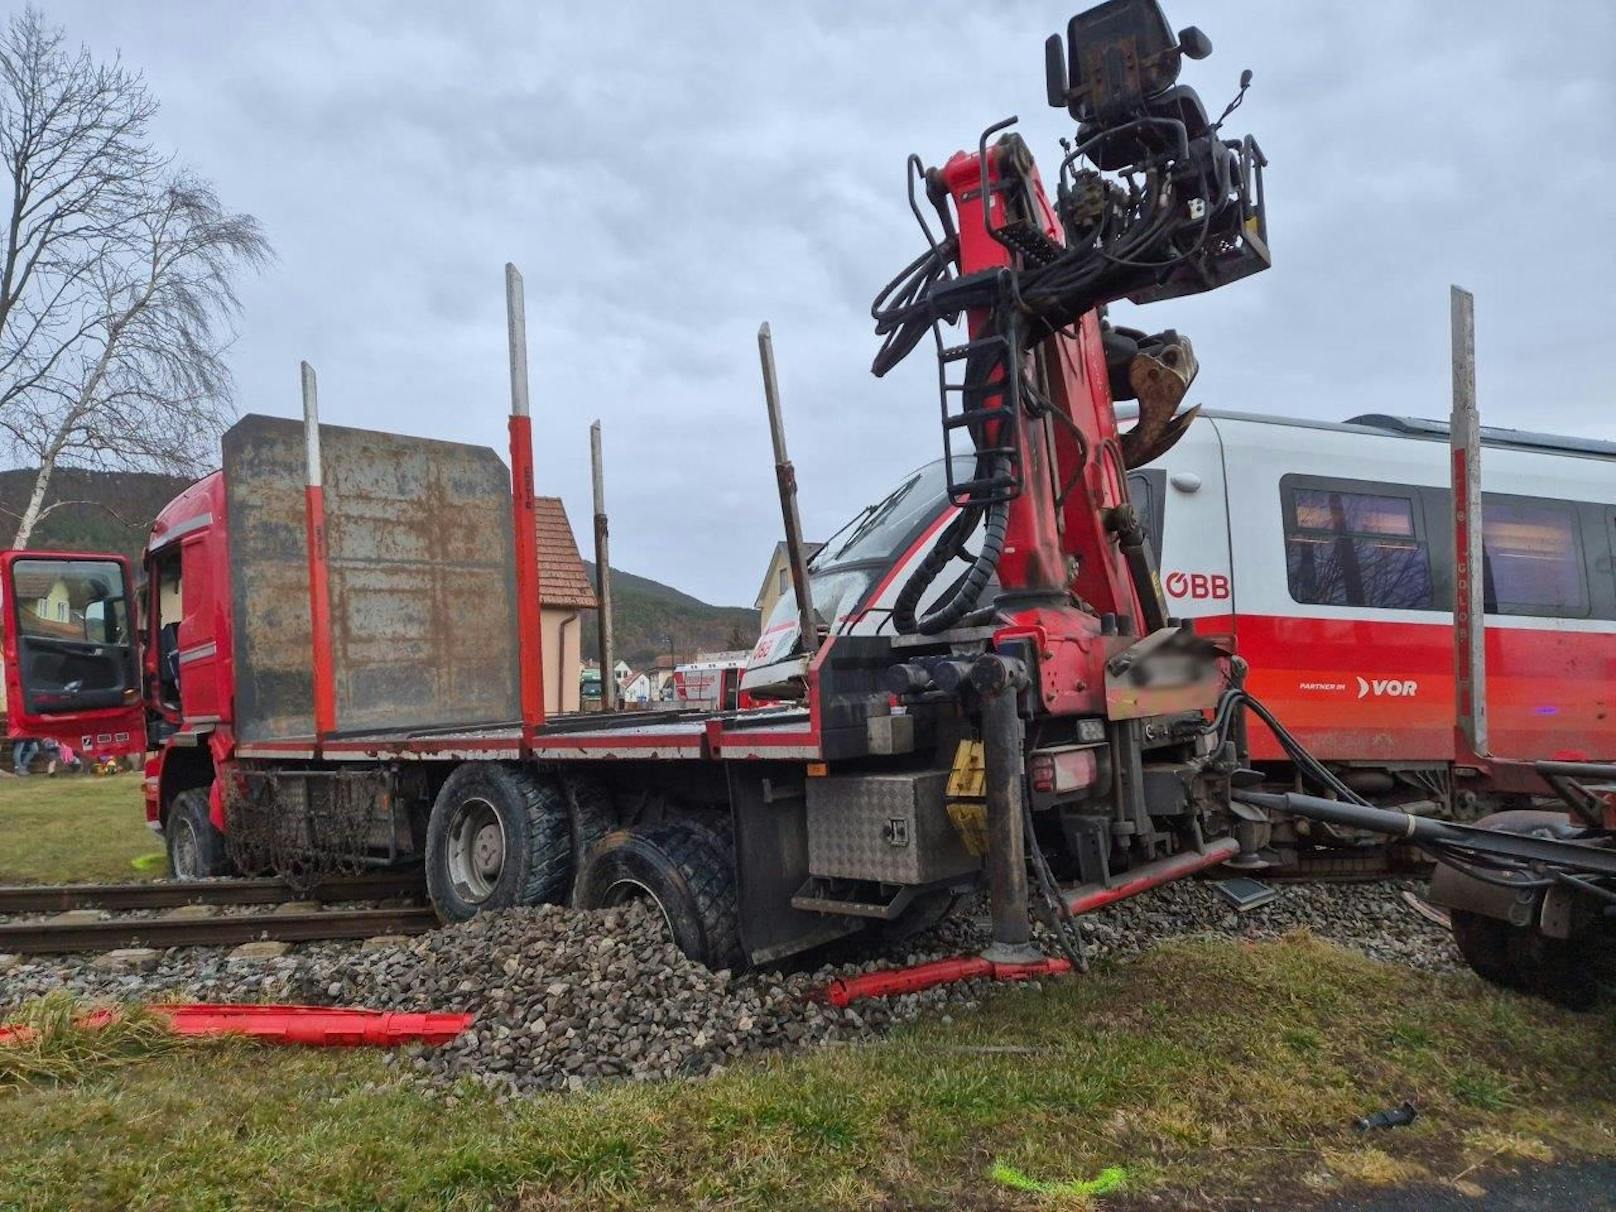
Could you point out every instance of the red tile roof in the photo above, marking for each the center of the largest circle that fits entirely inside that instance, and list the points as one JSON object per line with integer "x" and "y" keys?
{"x": 562, "y": 579}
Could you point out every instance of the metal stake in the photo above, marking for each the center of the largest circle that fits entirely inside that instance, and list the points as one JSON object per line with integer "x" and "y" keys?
{"x": 524, "y": 516}
{"x": 786, "y": 477}
{"x": 324, "y": 677}
{"x": 603, "y": 574}
{"x": 1469, "y": 604}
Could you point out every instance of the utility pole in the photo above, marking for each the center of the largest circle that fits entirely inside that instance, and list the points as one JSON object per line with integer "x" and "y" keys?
{"x": 1469, "y": 600}
{"x": 603, "y": 573}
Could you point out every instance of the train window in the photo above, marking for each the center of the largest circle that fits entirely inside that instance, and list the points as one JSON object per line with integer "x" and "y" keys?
{"x": 1145, "y": 491}
{"x": 1355, "y": 549}
{"x": 1532, "y": 558}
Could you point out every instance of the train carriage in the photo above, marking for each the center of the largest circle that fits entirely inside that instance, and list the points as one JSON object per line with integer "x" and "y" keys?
{"x": 1326, "y": 550}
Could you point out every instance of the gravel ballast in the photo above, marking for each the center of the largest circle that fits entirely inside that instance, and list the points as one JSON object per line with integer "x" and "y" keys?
{"x": 567, "y": 997}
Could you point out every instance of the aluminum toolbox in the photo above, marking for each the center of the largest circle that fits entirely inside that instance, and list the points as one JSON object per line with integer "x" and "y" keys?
{"x": 893, "y": 828}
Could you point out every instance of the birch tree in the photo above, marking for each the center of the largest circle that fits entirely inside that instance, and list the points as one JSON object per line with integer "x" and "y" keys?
{"x": 117, "y": 301}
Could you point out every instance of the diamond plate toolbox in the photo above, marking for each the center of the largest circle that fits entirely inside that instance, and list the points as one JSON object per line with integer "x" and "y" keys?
{"x": 888, "y": 827}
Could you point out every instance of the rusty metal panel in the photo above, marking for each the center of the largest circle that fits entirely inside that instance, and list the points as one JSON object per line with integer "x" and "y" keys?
{"x": 423, "y": 603}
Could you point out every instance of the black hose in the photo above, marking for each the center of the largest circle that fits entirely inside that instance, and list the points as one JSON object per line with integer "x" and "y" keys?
{"x": 1068, "y": 934}
{"x": 963, "y": 597}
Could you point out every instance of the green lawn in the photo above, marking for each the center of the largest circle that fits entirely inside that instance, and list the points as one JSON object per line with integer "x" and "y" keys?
{"x": 75, "y": 828}
{"x": 1214, "y": 1072}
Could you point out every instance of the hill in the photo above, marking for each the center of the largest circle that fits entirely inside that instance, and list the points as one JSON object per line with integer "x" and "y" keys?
{"x": 651, "y": 619}
{"x": 108, "y": 510}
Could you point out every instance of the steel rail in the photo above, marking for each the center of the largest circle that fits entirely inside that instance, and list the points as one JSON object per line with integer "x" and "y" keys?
{"x": 53, "y": 898}
{"x": 49, "y": 937}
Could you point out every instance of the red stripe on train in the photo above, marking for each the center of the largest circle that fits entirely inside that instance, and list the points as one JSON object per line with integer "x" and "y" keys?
{"x": 1358, "y": 690}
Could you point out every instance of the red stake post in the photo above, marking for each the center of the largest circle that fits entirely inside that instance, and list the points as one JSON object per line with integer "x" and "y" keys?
{"x": 325, "y": 686}
{"x": 529, "y": 622}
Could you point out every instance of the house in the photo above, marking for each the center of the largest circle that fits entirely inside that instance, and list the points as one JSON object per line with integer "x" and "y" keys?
{"x": 564, "y": 592}
{"x": 777, "y": 581}
{"x": 637, "y": 688}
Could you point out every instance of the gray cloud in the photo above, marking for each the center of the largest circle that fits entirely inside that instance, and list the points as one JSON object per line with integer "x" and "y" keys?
{"x": 668, "y": 176}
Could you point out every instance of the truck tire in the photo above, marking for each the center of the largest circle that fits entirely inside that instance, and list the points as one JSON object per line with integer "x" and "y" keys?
{"x": 196, "y": 849}
{"x": 1484, "y": 943}
{"x": 498, "y": 837}
{"x": 687, "y": 873}
{"x": 592, "y": 814}
{"x": 1525, "y": 959}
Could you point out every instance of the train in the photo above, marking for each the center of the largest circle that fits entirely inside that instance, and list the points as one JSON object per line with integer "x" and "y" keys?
{"x": 1324, "y": 550}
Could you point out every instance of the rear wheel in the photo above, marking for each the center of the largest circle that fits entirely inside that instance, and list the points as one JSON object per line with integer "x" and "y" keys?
{"x": 196, "y": 849}
{"x": 592, "y": 813}
{"x": 498, "y": 837}
{"x": 686, "y": 871}
{"x": 1525, "y": 959}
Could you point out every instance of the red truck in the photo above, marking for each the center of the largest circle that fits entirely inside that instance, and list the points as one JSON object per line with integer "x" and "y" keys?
{"x": 341, "y": 658}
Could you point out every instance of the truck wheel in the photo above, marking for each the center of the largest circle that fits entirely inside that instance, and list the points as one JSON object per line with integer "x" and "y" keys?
{"x": 498, "y": 836}
{"x": 1525, "y": 959}
{"x": 1484, "y": 943}
{"x": 196, "y": 850}
{"x": 685, "y": 871}
{"x": 592, "y": 813}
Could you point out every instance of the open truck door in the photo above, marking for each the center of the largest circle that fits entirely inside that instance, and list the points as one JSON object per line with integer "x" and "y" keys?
{"x": 71, "y": 669}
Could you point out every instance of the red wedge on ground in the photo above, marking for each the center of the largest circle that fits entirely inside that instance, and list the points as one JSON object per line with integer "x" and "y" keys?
{"x": 894, "y": 981}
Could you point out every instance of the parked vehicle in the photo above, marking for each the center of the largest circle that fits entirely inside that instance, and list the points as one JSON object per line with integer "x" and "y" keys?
{"x": 713, "y": 681}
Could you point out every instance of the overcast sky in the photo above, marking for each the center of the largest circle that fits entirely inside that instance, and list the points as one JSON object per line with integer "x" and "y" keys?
{"x": 668, "y": 175}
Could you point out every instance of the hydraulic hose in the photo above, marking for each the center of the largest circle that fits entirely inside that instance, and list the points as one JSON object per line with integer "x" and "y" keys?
{"x": 967, "y": 591}
{"x": 994, "y": 471}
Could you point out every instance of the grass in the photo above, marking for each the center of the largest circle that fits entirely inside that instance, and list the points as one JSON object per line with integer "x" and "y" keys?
{"x": 1214, "y": 1072}
{"x": 75, "y": 828}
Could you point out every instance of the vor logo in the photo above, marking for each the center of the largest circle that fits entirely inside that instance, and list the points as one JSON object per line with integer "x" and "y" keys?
{"x": 1397, "y": 688}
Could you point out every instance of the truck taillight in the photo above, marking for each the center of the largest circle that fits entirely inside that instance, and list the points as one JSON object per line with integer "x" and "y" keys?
{"x": 1063, "y": 770}
{"x": 1041, "y": 770}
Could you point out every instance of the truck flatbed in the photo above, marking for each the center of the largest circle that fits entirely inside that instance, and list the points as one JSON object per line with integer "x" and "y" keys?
{"x": 785, "y": 732}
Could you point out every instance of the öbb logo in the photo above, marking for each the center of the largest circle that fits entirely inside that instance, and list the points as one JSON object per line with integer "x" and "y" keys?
{"x": 1199, "y": 586}
{"x": 1397, "y": 688}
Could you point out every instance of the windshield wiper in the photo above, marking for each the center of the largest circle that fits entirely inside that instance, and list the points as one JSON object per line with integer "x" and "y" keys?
{"x": 874, "y": 515}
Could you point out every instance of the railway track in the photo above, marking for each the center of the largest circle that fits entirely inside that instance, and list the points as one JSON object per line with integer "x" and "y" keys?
{"x": 59, "y": 936}
{"x": 57, "y": 898}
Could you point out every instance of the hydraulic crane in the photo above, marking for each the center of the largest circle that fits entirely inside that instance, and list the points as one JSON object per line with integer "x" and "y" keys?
{"x": 1151, "y": 202}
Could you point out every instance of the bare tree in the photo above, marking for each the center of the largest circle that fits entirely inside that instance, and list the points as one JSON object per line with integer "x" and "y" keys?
{"x": 116, "y": 296}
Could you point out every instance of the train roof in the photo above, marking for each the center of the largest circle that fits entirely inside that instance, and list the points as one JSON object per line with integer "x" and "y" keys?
{"x": 1417, "y": 427}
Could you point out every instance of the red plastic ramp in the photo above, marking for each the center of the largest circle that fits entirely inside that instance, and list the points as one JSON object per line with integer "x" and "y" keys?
{"x": 308, "y": 1026}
